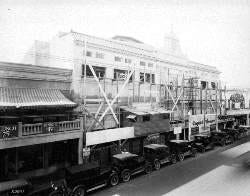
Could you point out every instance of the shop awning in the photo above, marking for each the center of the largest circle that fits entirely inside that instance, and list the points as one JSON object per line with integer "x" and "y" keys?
{"x": 32, "y": 98}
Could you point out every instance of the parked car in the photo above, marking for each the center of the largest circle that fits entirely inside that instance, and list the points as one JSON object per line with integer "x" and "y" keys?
{"x": 221, "y": 138}
{"x": 128, "y": 164}
{"x": 203, "y": 143}
{"x": 182, "y": 148}
{"x": 81, "y": 179}
{"x": 158, "y": 154}
{"x": 243, "y": 129}
{"x": 71, "y": 180}
{"x": 14, "y": 187}
{"x": 234, "y": 133}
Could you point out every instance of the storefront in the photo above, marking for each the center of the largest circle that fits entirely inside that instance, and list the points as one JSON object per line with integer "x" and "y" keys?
{"x": 34, "y": 125}
{"x": 150, "y": 126}
{"x": 15, "y": 162}
{"x": 241, "y": 116}
{"x": 201, "y": 124}
{"x": 105, "y": 143}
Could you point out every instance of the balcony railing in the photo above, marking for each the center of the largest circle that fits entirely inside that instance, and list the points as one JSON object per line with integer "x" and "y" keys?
{"x": 22, "y": 130}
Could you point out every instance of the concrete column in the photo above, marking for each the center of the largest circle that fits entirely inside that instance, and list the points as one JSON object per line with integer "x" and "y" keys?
{"x": 19, "y": 129}
{"x": 82, "y": 125}
{"x": 80, "y": 150}
{"x": 248, "y": 119}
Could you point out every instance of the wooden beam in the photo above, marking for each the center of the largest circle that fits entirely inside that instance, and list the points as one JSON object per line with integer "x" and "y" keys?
{"x": 118, "y": 94}
{"x": 104, "y": 94}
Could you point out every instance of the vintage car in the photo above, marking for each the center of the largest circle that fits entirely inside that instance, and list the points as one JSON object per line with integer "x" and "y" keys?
{"x": 243, "y": 129}
{"x": 234, "y": 133}
{"x": 182, "y": 148}
{"x": 203, "y": 143}
{"x": 81, "y": 179}
{"x": 17, "y": 187}
{"x": 158, "y": 154}
{"x": 78, "y": 179}
{"x": 128, "y": 164}
{"x": 221, "y": 138}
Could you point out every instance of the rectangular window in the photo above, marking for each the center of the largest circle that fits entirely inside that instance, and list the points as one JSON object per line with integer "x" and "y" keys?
{"x": 213, "y": 85}
{"x": 152, "y": 78}
{"x": 120, "y": 74}
{"x": 203, "y": 85}
{"x": 129, "y": 61}
{"x": 142, "y": 63}
{"x": 146, "y": 118}
{"x": 150, "y": 64}
{"x": 99, "y": 71}
{"x": 99, "y": 55}
{"x": 89, "y": 54}
{"x": 118, "y": 59}
{"x": 147, "y": 77}
{"x": 141, "y": 77}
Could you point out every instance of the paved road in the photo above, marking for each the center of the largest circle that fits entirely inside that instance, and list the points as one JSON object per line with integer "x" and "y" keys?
{"x": 217, "y": 172}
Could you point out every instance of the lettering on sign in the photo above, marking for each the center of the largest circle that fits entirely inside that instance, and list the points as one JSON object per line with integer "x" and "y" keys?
{"x": 8, "y": 131}
{"x": 123, "y": 76}
{"x": 51, "y": 127}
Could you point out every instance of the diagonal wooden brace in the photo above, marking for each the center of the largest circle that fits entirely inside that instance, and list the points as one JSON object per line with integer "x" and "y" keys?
{"x": 95, "y": 117}
{"x": 104, "y": 94}
{"x": 118, "y": 94}
{"x": 173, "y": 99}
{"x": 175, "y": 104}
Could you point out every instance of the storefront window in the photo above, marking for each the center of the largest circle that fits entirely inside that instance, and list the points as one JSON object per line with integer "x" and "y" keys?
{"x": 30, "y": 158}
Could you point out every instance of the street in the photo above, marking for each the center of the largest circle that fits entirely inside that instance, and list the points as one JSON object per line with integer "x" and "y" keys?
{"x": 217, "y": 172}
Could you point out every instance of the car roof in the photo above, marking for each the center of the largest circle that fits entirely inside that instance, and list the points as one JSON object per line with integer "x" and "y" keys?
{"x": 8, "y": 185}
{"x": 155, "y": 146}
{"x": 200, "y": 135}
{"x": 124, "y": 155}
{"x": 219, "y": 132}
{"x": 83, "y": 167}
{"x": 179, "y": 141}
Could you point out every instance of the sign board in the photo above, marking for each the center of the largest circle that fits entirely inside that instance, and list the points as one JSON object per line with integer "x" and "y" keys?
{"x": 109, "y": 135}
{"x": 8, "y": 131}
{"x": 51, "y": 127}
{"x": 86, "y": 152}
{"x": 201, "y": 122}
{"x": 177, "y": 130}
{"x": 210, "y": 119}
{"x": 122, "y": 76}
{"x": 153, "y": 137}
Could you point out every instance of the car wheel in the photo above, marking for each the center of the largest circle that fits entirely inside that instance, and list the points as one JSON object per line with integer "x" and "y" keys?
{"x": 125, "y": 175}
{"x": 181, "y": 157}
{"x": 173, "y": 160}
{"x": 157, "y": 164}
{"x": 79, "y": 191}
{"x": 114, "y": 179}
{"x": 148, "y": 169}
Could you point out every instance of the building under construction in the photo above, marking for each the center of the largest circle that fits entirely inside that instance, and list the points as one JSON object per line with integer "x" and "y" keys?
{"x": 130, "y": 93}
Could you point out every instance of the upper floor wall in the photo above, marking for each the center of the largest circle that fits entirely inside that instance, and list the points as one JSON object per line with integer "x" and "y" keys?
{"x": 16, "y": 75}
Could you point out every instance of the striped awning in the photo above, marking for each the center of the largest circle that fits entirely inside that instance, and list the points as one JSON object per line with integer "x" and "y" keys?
{"x": 32, "y": 97}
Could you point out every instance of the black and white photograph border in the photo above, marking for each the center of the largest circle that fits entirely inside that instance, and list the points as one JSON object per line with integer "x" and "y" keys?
{"x": 124, "y": 98}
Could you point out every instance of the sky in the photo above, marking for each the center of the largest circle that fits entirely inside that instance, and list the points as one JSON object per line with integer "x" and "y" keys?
{"x": 212, "y": 32}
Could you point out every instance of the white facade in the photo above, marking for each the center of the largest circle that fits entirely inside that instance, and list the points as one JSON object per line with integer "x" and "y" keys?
{"x": 169, "y": 65}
